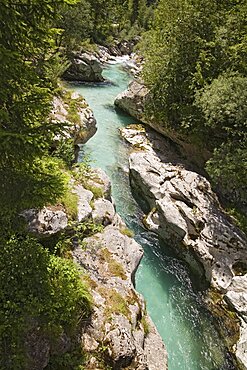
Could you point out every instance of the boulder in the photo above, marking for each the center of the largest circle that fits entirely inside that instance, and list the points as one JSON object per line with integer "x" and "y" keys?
{"x": 47, "y": 221}
{"x": 84, "y": 199}
{"x": 80, "y": 129}
{"x": 103, "y": 212}
{"x": 85, "y": 68}
{"x": 98, "y": 179}
{"x": 132, "y": 100}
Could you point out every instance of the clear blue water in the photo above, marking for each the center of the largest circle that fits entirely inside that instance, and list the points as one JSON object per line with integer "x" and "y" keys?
{"x": 187, "y": 330}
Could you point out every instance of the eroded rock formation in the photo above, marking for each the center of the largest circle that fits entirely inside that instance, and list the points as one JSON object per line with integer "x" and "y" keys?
{"x": 81, "y": 124}
{"x": 186, "y": 213}
{"x": 120, "y": 333}
{"x": 84, "y": 67}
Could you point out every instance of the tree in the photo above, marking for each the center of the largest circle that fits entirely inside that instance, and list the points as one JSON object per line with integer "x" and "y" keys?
{"x": 28, "y": 79}
{"x": 196, "y": 55}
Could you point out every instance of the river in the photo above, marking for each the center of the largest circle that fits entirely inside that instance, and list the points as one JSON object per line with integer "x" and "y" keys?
{"x": 186, "y": 328}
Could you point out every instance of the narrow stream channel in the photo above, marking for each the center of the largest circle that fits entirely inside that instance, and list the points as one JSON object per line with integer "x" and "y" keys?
{"x": 187, "y": 330}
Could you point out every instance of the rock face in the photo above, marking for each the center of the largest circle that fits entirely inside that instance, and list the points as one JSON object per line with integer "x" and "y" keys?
{"x": 120, "y": 333}
{"x": 185, "y": 212}
{"x": 45, "y": 222}
{"x": 132, "y": 100}
{"x": 85, "y": 68}
{"x": 81, "y": 125}
{"x": 120, "y": 327}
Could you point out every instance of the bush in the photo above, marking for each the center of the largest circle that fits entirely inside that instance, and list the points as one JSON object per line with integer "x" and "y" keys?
{"x": 35, "y": 286}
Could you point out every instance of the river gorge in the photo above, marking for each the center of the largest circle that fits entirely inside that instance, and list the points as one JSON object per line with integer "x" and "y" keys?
{"x": 186, "y": 327}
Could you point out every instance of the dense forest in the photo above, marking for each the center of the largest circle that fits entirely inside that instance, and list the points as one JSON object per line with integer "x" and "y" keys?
{"x": 196, "y": 68}
{"x": 39, "y": 288}
{"x": 196, "y": 65}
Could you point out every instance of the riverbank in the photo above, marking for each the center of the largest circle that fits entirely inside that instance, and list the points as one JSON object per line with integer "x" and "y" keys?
{"x": 182, "y": 209}
{"x": 188, "y": 331}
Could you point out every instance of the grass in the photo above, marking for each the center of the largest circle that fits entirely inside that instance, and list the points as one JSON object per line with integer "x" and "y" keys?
{"x": 97, "y": 191}
{"x": 114, "y": 267}
{"x": 128, "y": 232}
{"x": 70, "y": 203}
{"x": 115, "y": 303}
{"x": 145, "y": 325}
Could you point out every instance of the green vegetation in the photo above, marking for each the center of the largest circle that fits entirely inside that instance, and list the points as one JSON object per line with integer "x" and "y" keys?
{"x": 197, "y": 73}
{"x": 70, "y": 202}
{"x": 115, "y": 268}
{"x": 102, "y": 21}
{"x": 41, "y": 294}
{"x": 128, "y": 232}
{"x": 36, "y": 289}
{"x": 145, "y": 325}
{"x": 115, "y": 303}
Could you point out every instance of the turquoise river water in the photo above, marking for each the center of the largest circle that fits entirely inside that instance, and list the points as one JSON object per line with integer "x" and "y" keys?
{"x": 186, "y": 328}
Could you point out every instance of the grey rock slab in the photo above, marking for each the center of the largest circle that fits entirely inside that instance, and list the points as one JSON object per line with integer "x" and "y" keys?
{"x": 80, "y": 131}
{"x": 132, "y": 100}
{"x": 45, "y": 221}
{"x": 103, "y": 212}
{"x": 84, "y": 67}
{"x": 84, "y": 197}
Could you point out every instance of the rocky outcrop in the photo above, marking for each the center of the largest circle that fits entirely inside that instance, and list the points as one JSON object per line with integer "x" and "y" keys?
{"x": 186, "y": 213}
{"x": 120, "y": 329}
{"x": 120, "y": 333}
{"x": 76, "y": 114}
{"x": 85, "y": 68}
{"x": 47, "y": 221}
{"x": 133, "y": 99}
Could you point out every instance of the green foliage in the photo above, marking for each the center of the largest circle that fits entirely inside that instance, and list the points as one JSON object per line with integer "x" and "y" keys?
{"x": 28, "y": 185}
{"x": 102, "y": 21}
{"x": 70, "y": 202}
{"x": 145, "y": 325}
{"x": 36, "y": 287}
{"x": 97, "y": 191}
{"x": 128, "y": 232}
{"x": 223, "y": 104}
{"x": 86, "y": 228}
{"x": 28, "y": 78}
{"x": 228, "y": 168}
{"x": 73, "y": 360}
{"x": 196, "y": 70}
{"x": 114, "y": 267}
{"x": 65, "y": 151}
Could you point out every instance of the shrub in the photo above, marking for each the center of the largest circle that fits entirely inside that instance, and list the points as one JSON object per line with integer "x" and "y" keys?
{"x": 35, "y": 286}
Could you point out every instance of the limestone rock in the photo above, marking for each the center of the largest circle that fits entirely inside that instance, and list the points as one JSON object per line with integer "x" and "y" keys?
{"x": 154, "y": 348}
{"x": 99, "y": 179}
{"x": 103, "y": 212}
{"x": 80, "y": 130}
{"x": 132, "y": 100}
{"x": 186, "y": 213}
{"x": 45, "y": 222}
{"x": 84, "y": 199}
{"x": 84, "y": 67}
{"x": 111, "y": 259}
{"x": 237, "y": 295}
